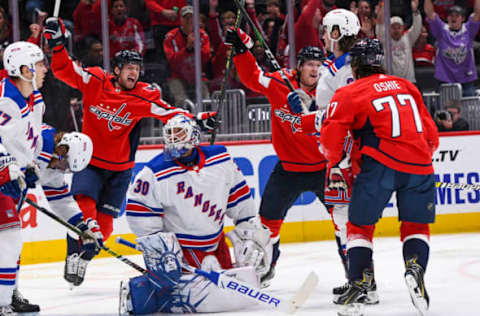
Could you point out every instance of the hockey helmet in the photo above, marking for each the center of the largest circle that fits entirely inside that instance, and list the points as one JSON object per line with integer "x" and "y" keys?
{"x": 180, "y": 133}
{"x": 367, "y": 52}
{"x": 80, "y": 149}
{"x": 347, "y": 22}
{"x": 309, "y": 53}
{"x": 20, "y": 54}
{"x": 127, "y": 57}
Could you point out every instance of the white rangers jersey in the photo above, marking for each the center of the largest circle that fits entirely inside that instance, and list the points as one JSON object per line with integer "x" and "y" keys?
{"x": 54, "y": 182}
{"x": 335, "y": 73}
{"x": 189, "y": 201}
{"x": 20, "y": 122}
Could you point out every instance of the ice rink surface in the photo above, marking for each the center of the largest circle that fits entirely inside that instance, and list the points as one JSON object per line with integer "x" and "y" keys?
{"x": 452, "y": 280}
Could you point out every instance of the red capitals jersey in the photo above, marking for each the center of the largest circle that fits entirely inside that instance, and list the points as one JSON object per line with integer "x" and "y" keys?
{"x": 110, "y": 115}
{"x": 297, "y": 151}
{"x": 129, "y": 35}
{"x": 388, "y": 118}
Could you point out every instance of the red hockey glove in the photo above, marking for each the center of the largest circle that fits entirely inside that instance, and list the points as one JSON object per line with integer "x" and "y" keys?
{"x": 239, "y": 39}
{"x": 207, "y": 121}
{"x": 340, "y": 176}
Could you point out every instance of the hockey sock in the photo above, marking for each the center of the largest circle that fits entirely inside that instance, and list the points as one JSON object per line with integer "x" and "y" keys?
{"x": 416, "y": 247}
{"x": 342, "y": 254}
{"x": 87, "y": 205}
{"x": 105, "y": 222}
{"x": 359, "y": 259}
{"x": 73, "y": 245}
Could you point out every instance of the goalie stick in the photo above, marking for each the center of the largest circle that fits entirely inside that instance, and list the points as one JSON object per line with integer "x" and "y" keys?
{"x": 153, "y": 277}
{"x": 228, "y": 65}
{"x": 461, "y": 186}
{"x": 245, "y": 290}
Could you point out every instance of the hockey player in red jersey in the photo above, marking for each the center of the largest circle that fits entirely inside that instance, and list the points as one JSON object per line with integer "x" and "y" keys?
{"x": 397, "y": 137}
{"x": 113, "y": 104}
{"x": 301, "y": 166}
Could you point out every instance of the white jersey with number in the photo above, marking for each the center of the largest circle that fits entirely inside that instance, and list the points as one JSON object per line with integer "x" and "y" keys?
{"x": 189, "y": 201}
{"x": 20, "y": 122}
{"x": 334, "y": 73}
{"x": 54, "y": 181}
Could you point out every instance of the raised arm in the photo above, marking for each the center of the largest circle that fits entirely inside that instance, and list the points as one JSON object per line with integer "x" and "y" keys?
{"x": 476, "y": 11}
{"x": 429, "y": 10}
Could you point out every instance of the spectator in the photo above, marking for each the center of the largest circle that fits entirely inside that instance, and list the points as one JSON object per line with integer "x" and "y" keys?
{"x": 455, "y": 60}
{"x": 307, "y": 26}
{"x": 450, "y": 120}
{"x": 402, "y": 42}
{"x": 87, "y": 22}
{"x": 178, "y": 46}
{"x": 126, "y": 33}
{"x": 367, "y": 23}
{"x": 164, "y": 17}
{"x": 94, "y": 56}
{"x": 423, "y": 53}
{"x": 5, "y": 31}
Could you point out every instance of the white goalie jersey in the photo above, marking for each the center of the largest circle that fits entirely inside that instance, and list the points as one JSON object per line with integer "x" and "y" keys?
{"x": 189, "y": 201}
{"x": 334, "y": 74}
{"x": 54, "y": 182}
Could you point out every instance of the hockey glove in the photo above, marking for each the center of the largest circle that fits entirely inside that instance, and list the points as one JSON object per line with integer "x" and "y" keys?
{"x": 340, "y": 176}
{"x": 239, "y": 40}
{"x": 92, "y": 238}
{"x": 55, "y": 33}
{"x": 12, "y": 179}
{"x": 207, "y": 121}
{"x": 32, "y": 174}
{"x": 12, "y": 189}
{"x": 294, "y": 102}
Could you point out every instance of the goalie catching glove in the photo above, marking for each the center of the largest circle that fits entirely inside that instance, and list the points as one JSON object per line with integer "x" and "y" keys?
{"x": 251, "y": 245}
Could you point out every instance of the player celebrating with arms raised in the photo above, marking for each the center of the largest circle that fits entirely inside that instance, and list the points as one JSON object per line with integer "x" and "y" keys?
{"x": 301, "y": 166}
{"x": 113, "y": 104}
{"x": 397, "y": 138}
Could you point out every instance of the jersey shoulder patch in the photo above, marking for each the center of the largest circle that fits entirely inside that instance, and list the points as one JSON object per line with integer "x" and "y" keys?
{"x": 338, "y": 63}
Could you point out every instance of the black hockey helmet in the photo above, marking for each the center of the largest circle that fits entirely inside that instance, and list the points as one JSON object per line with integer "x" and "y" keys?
{"x": 127, "y": 57}
{"x": 367, "y": 52}
{"x": 309, "y": 53}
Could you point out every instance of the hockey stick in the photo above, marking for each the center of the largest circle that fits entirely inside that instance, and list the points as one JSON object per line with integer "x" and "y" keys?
{"x": 56, "y": 9}
{"x": 462, "y": 186}
{"x": 153, "y": 277}
{"x": 228, "y": 65}
{"x": 268, "y": 52}
{"x": 245, "y": 290}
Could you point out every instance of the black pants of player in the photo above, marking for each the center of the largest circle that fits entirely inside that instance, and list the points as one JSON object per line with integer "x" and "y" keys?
{"x": 282, "y": 189}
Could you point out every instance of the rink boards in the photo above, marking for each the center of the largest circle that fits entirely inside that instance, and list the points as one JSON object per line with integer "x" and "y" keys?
{"x": 456, "y": 160}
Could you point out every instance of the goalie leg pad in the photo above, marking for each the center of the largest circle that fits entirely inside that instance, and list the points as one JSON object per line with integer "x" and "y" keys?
{"x": 145, "y": 297}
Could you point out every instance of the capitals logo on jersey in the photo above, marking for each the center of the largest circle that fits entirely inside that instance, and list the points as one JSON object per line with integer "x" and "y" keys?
{"x": 295, "y": 121}
{"x": 112, "y": 116}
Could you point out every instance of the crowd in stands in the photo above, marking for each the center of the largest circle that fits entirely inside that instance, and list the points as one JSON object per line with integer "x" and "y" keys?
{"x": 438, "y": 34}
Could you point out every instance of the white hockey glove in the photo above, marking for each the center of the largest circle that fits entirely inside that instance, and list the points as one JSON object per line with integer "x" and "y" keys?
{"x": 252, "y": 245}
{"x": 12, "y": 179}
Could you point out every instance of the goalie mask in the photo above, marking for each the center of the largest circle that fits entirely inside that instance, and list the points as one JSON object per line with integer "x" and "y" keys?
{"x": 180, "y": 135}
{"x": 80, "y": 149}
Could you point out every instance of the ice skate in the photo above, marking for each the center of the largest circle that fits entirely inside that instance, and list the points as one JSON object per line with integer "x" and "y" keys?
{"x": 416, "y": 286}
{"x": 71, "y": 268}
{"x": 21, "y": 304}
{"x": 82, "y": 269}
{"x": 124, "y": 301}
{"x": 266, "y": 279}
{"x": 372, "y": 295}
{"x": 352, "y": 301}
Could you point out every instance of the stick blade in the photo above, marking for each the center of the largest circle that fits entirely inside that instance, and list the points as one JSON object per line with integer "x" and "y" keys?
{"x": 303, "y": 292}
